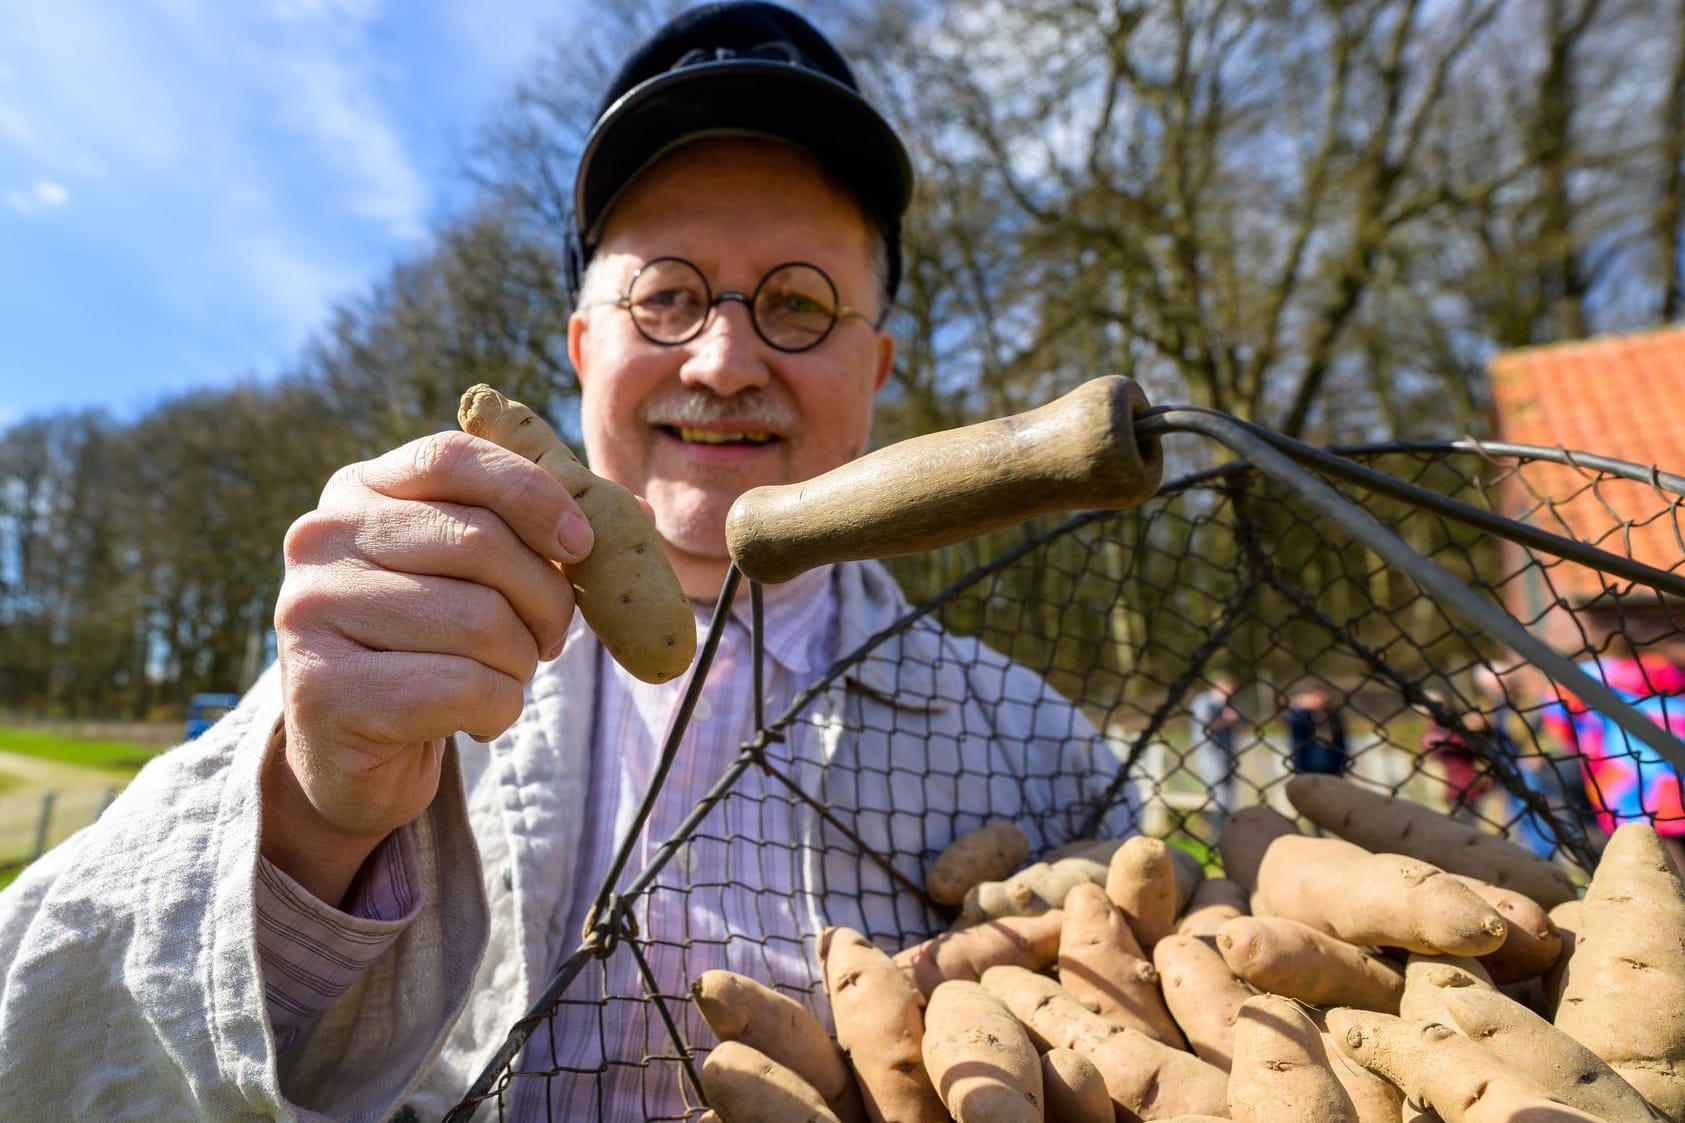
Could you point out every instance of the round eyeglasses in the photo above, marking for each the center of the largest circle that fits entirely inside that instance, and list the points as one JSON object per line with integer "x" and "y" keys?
{"x": 793, "y": 308}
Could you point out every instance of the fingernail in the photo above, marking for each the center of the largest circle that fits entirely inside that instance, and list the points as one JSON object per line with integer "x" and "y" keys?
{"x": 575, "y": 536}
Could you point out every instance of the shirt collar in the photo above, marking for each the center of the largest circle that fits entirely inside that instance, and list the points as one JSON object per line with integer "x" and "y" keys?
{"x": 797, "y": 618}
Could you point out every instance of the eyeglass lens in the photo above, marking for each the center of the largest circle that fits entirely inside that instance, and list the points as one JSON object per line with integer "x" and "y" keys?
{"x": 793, "y": 307}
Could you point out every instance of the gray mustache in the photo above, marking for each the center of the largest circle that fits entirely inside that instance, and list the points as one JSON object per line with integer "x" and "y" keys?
{"x": 700, "y": 407}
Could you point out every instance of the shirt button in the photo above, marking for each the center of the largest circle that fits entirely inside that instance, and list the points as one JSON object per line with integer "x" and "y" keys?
{"x": 703, "y": 710}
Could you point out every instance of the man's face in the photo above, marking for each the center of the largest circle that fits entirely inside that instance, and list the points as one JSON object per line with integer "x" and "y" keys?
{"x": 691, "y": 427}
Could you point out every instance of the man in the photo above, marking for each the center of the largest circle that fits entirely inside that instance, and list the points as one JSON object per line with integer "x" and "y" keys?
{"x": 1316, "y": 732}
{"x": 331, "y": 906}
{"x": 1213, "y": 718}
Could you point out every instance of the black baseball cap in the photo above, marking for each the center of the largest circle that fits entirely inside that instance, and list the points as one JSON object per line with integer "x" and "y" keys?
{"x": 738, "y": 69}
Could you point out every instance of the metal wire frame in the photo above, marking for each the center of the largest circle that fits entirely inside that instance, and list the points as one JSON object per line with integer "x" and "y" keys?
{"x": 1295, "y": 467}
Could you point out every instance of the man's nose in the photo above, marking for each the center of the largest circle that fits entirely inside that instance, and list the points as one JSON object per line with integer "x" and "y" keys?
{"x": 727, "y": 357}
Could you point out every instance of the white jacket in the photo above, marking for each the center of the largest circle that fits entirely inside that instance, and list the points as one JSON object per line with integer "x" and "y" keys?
{"x": 129, "y": 979}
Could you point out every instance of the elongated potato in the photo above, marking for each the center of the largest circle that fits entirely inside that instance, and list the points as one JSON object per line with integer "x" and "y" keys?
{"x": 1531, "y": 944}
{"x": 1385, "y": 824}
{"x": 1281, "y": 956}
{"x": 1623, "y": 994}
{"x": 744, "y": 1085}
{"x": 1529, "y": 1044}
{"x": 1033, "y": 890}
{"x": 980, "y": 1057}
{"x": 989, "y": 853}
{"x": 1145, "y": 1078}
{"x": 965, "y": 953}
{"x": 1203, "y": 993}
{"x": 1379, "y": 900}
{"x": 1101, "y": 964}
{"x": 1141, "y": 880}
{"x": 1075, "y": 1091}
{"x": 738, "y": 1008}
{"x": 1438, "y": 1068}
{"x": 625, "y": 588}
{"x": 879, "y": 1015}
{"x": 1281, "y": 1068}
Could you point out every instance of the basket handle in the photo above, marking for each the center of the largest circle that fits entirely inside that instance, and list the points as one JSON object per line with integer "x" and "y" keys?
{"x": 1074, "y": 453}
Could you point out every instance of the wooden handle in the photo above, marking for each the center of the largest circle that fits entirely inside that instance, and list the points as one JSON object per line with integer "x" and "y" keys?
{"x": 1075, "y": 453}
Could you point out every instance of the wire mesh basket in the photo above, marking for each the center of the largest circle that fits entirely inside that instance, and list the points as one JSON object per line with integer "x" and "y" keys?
{"x": 1529, "y": 600}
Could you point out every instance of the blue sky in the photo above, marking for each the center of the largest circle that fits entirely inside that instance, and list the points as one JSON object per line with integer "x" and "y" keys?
{"x": 188, "y": 186}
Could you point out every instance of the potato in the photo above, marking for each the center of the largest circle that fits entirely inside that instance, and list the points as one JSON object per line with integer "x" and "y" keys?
{"x": 1141, "y": 881}
{"x": 625, "y": 588}
{"x": 1532, "y": 944}
{"x": 1073, "y": 1088}
{"x": 738, "y": 1008}
{"x": 1379, "y": 900}
{"x": 1529, "y": 1044}
{"x": 1623, "y": 993}
{"x": 1031, "y": 891}
{"x": 1281, "y": 1067}
{"x": 980, "y": 1058}
{"x": 1203, "y": 994}
{"x": 880, "y": 1025}
{"x": 1386, "y": 824}
{"x": 1281, "y": 956}
{"x": 744, "y": 1085}
{"x": 1145, "y": 1078}
{"x": 1438, "y": 1068}
{"x": 1104, "y": 968}
{"x": 965, "y": 953}
{"x": 990, "y": 853}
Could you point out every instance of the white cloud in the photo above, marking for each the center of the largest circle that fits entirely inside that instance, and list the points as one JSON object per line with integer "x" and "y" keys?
{"x": 41, "y": 196}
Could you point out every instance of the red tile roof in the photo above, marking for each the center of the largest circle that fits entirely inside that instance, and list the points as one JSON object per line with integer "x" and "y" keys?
{"x": 1618, "y": 397}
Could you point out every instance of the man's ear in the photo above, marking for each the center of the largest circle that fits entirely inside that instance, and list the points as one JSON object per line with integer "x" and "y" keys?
{"x": 578, "y": 326}
{"x": 886, "y": 360}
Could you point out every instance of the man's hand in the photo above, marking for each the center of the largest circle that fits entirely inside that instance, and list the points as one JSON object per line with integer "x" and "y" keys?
{"x": 418, "y": 600}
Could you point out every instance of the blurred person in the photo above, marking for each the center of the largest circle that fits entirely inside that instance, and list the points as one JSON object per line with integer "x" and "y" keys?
{"x": 338, "y": 902}
{"x": 1465, "y": 776}
{"x": 1316, "y": 732}
{"x": 1212, "y": 719}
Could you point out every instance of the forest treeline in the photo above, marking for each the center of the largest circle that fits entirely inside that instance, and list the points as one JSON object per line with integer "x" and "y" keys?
{"x": 1321, "y": 215}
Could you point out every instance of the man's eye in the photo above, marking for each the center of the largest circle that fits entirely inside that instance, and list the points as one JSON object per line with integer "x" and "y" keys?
{"x": 667, "y": 299}
{"x": 799, "y": 304}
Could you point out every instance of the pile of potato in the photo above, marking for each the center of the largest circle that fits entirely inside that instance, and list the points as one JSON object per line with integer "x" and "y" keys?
{"x": 1398, "y": 968}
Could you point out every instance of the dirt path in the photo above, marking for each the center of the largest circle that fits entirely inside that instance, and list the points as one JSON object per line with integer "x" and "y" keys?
{"x": 33, "y": 771}
{"x": 78, "y": 796}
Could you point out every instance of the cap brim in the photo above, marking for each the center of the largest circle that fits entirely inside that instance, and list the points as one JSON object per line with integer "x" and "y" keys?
{"x": 752, "y": 97}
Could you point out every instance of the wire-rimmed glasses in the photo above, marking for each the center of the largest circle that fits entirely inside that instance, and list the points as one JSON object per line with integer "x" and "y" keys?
{"x": 793, "y": 308}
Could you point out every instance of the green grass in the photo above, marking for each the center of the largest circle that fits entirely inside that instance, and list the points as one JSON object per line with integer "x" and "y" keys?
{"x": 112, "y": 756}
